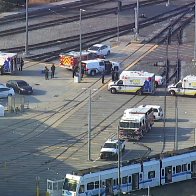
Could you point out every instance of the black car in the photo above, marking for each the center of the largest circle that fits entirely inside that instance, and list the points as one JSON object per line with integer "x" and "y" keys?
{"x": 20, "y": 86}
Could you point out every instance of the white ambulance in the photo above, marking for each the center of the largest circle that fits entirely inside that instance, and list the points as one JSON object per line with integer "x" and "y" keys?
{"x": 186, "y": 86}
{"x": 138, "y": 82}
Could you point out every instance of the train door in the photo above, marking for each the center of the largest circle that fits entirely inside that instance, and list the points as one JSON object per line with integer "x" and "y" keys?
{"x": 135, "y": 181}
{"x": 168, "y": 174}
{"x": 109, "y": 186}
{"x": 193, "y": 169}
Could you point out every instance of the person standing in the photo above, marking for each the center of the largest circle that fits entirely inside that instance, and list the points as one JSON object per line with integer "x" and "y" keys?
{"x": 52, "y": 70}
{"x": 21, "y": 64}
{"x": 103, "y": 77}
{"x": 46, "y": 71}
{"x": 113, "y": 77}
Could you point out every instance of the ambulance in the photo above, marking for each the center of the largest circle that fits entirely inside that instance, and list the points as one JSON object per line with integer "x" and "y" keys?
{"x": 186, "y": 86}
{"x": 8, "y": 63}
{"x": 137, "y": 82}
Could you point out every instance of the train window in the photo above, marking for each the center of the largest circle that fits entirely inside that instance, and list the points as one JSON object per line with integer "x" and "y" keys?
{"x": 163, "y": 172}
{"x": 184, "y": 167}
{"x": 90, "y": 186}
{"x": 178, "y": 168}
{"x": 81, "y": 189}
{"x": 140, "y": 176}
{"x": 129, "y": 179}
{"x": 103, "y": 183}
{"x": 96, "y": 184}
{"x": 189, "y": 166}
{"x": 124, "y": 180}
{"x": 151, "y": 174}
{"x": 174, "y": 170}
{"x": 117, "y": 181}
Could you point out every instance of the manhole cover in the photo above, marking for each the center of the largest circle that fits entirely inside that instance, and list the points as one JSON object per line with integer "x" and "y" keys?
{"x": 37, "y": 84}
{"x": 56, "y": 95}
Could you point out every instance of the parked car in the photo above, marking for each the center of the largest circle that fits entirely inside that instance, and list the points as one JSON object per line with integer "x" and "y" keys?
{"x": 20, "y": 86}
{"x": 157, "y": 111}
{"x": 100, "y": 49}
{"x": 5, "y": 91}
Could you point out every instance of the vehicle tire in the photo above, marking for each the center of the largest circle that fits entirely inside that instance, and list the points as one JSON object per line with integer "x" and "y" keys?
{"x": 20, "y": 92}
{"x": 172, "y": 93}
{"x": 113, "y": 90}
{"x": 93, "y": 73}
{"x": 108, "y": 53}
{"x": 139, "y": 92}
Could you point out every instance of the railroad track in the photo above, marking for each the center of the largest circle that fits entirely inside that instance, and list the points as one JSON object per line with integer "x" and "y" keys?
{"x": 91, "y": 38}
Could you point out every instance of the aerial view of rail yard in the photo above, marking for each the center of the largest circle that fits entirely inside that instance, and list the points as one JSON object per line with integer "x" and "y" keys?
{"x": 97, "y": 97}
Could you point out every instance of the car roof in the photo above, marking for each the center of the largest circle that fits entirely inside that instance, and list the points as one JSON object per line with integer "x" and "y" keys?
{"x": 93, "y": 60}
{"x": 98, "y": 45}
{"x": 16, "y": 81}
{"x": 150, "y": 106}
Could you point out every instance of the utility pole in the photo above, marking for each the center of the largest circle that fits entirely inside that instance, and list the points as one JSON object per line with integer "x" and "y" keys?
{"x": 136, "y": 20}
{"x": 119, "y": 181}
{"x": 89, "y": 127}
{"x": 80, "y": 66}
{"x": 195, "y": 37}
{"x": 26, "y": 39}
{"x": 176, "y": 129}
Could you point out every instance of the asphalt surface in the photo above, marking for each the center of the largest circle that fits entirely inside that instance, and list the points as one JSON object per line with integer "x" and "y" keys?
{"x": 18, "y": 175}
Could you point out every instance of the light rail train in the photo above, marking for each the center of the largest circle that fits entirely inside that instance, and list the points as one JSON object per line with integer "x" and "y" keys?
{"x": 153, "y": 171}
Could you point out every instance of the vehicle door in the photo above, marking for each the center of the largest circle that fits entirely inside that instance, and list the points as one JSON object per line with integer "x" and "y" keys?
{"x": 101, "y": 66}
{"x": 15, "y": 86}
{"x": 109, "y": 186}
{"x": 120, "y": 86}
{"x": 168, "y": 174}
{"x": 4, "y": 92}
{"x": 179, "y": 89}
{"x": 193, "y": 169}
{"x": 135, "y": 181}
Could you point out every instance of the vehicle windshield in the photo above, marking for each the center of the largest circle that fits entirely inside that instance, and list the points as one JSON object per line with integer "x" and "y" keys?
{"x": 70, "y": 185}
{"x": 94, "y": 48}
{"x": 109, "y": 145}
{"x": 22, "y": 83}
{"x": 129, "y": 125}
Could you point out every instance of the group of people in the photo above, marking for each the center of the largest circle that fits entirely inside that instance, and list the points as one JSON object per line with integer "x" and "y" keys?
{"x": 46, "y": 72}
{"x": 114, "y": 72}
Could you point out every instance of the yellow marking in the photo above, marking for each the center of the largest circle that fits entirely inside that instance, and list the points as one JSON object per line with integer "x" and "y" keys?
{"x": 146, "y": 53}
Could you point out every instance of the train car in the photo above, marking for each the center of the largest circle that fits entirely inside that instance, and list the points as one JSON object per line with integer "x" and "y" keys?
{"x": 151, "y": 171}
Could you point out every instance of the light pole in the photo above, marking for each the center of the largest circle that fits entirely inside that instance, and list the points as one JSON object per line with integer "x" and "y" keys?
{"x": 119, "y": 181}
{"x": 195, "y": 37}
{"x": 89, "y": 127}
{"x": 26, "y": 39}
{"x": 118, "y": 24}
{"x": 136, "y": 20}
{"x": 80, "y": 66}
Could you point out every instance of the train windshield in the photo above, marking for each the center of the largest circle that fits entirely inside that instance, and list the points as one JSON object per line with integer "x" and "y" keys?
{"x": 70, "y": 185}
{"x": 129, "y": 125}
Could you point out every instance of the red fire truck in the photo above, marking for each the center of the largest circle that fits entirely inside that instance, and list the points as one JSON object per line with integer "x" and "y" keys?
{"x": 71, "y": 59}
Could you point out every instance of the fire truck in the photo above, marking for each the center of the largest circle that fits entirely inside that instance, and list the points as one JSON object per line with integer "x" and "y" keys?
{"x": 71, "y": 59}
{"x": 135, "y": 122}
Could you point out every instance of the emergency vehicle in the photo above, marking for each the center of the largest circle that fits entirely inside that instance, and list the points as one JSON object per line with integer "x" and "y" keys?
{"x": 186, "y": 86}
{"x": 138, "y": 82}
{"x": 8, "y": 63}
{"x": 71, "y": 59}
{"x": 135, "y": 122}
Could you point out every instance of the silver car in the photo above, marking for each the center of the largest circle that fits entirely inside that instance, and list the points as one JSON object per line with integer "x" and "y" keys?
{"x": 5, "y": 91}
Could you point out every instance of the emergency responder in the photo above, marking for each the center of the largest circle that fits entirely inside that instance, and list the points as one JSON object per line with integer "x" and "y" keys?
{"x": 46, "y": 72}
{"x": 52, "y": 70}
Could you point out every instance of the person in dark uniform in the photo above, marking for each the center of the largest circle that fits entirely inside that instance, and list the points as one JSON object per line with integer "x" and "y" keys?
{"x": 103, "y": 77}
{"x": 46, "y": 72}
{"x": 113, "y": 76}
{"x": 52, "y": 70}
{"x": 21, "y": 64}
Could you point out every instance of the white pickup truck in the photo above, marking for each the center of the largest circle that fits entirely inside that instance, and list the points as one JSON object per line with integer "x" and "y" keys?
{"x": 110, "y": 149}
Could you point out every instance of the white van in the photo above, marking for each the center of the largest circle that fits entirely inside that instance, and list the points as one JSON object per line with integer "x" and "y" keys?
{"x": 157, "y": 110}
{"x": 93, "y": 67}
